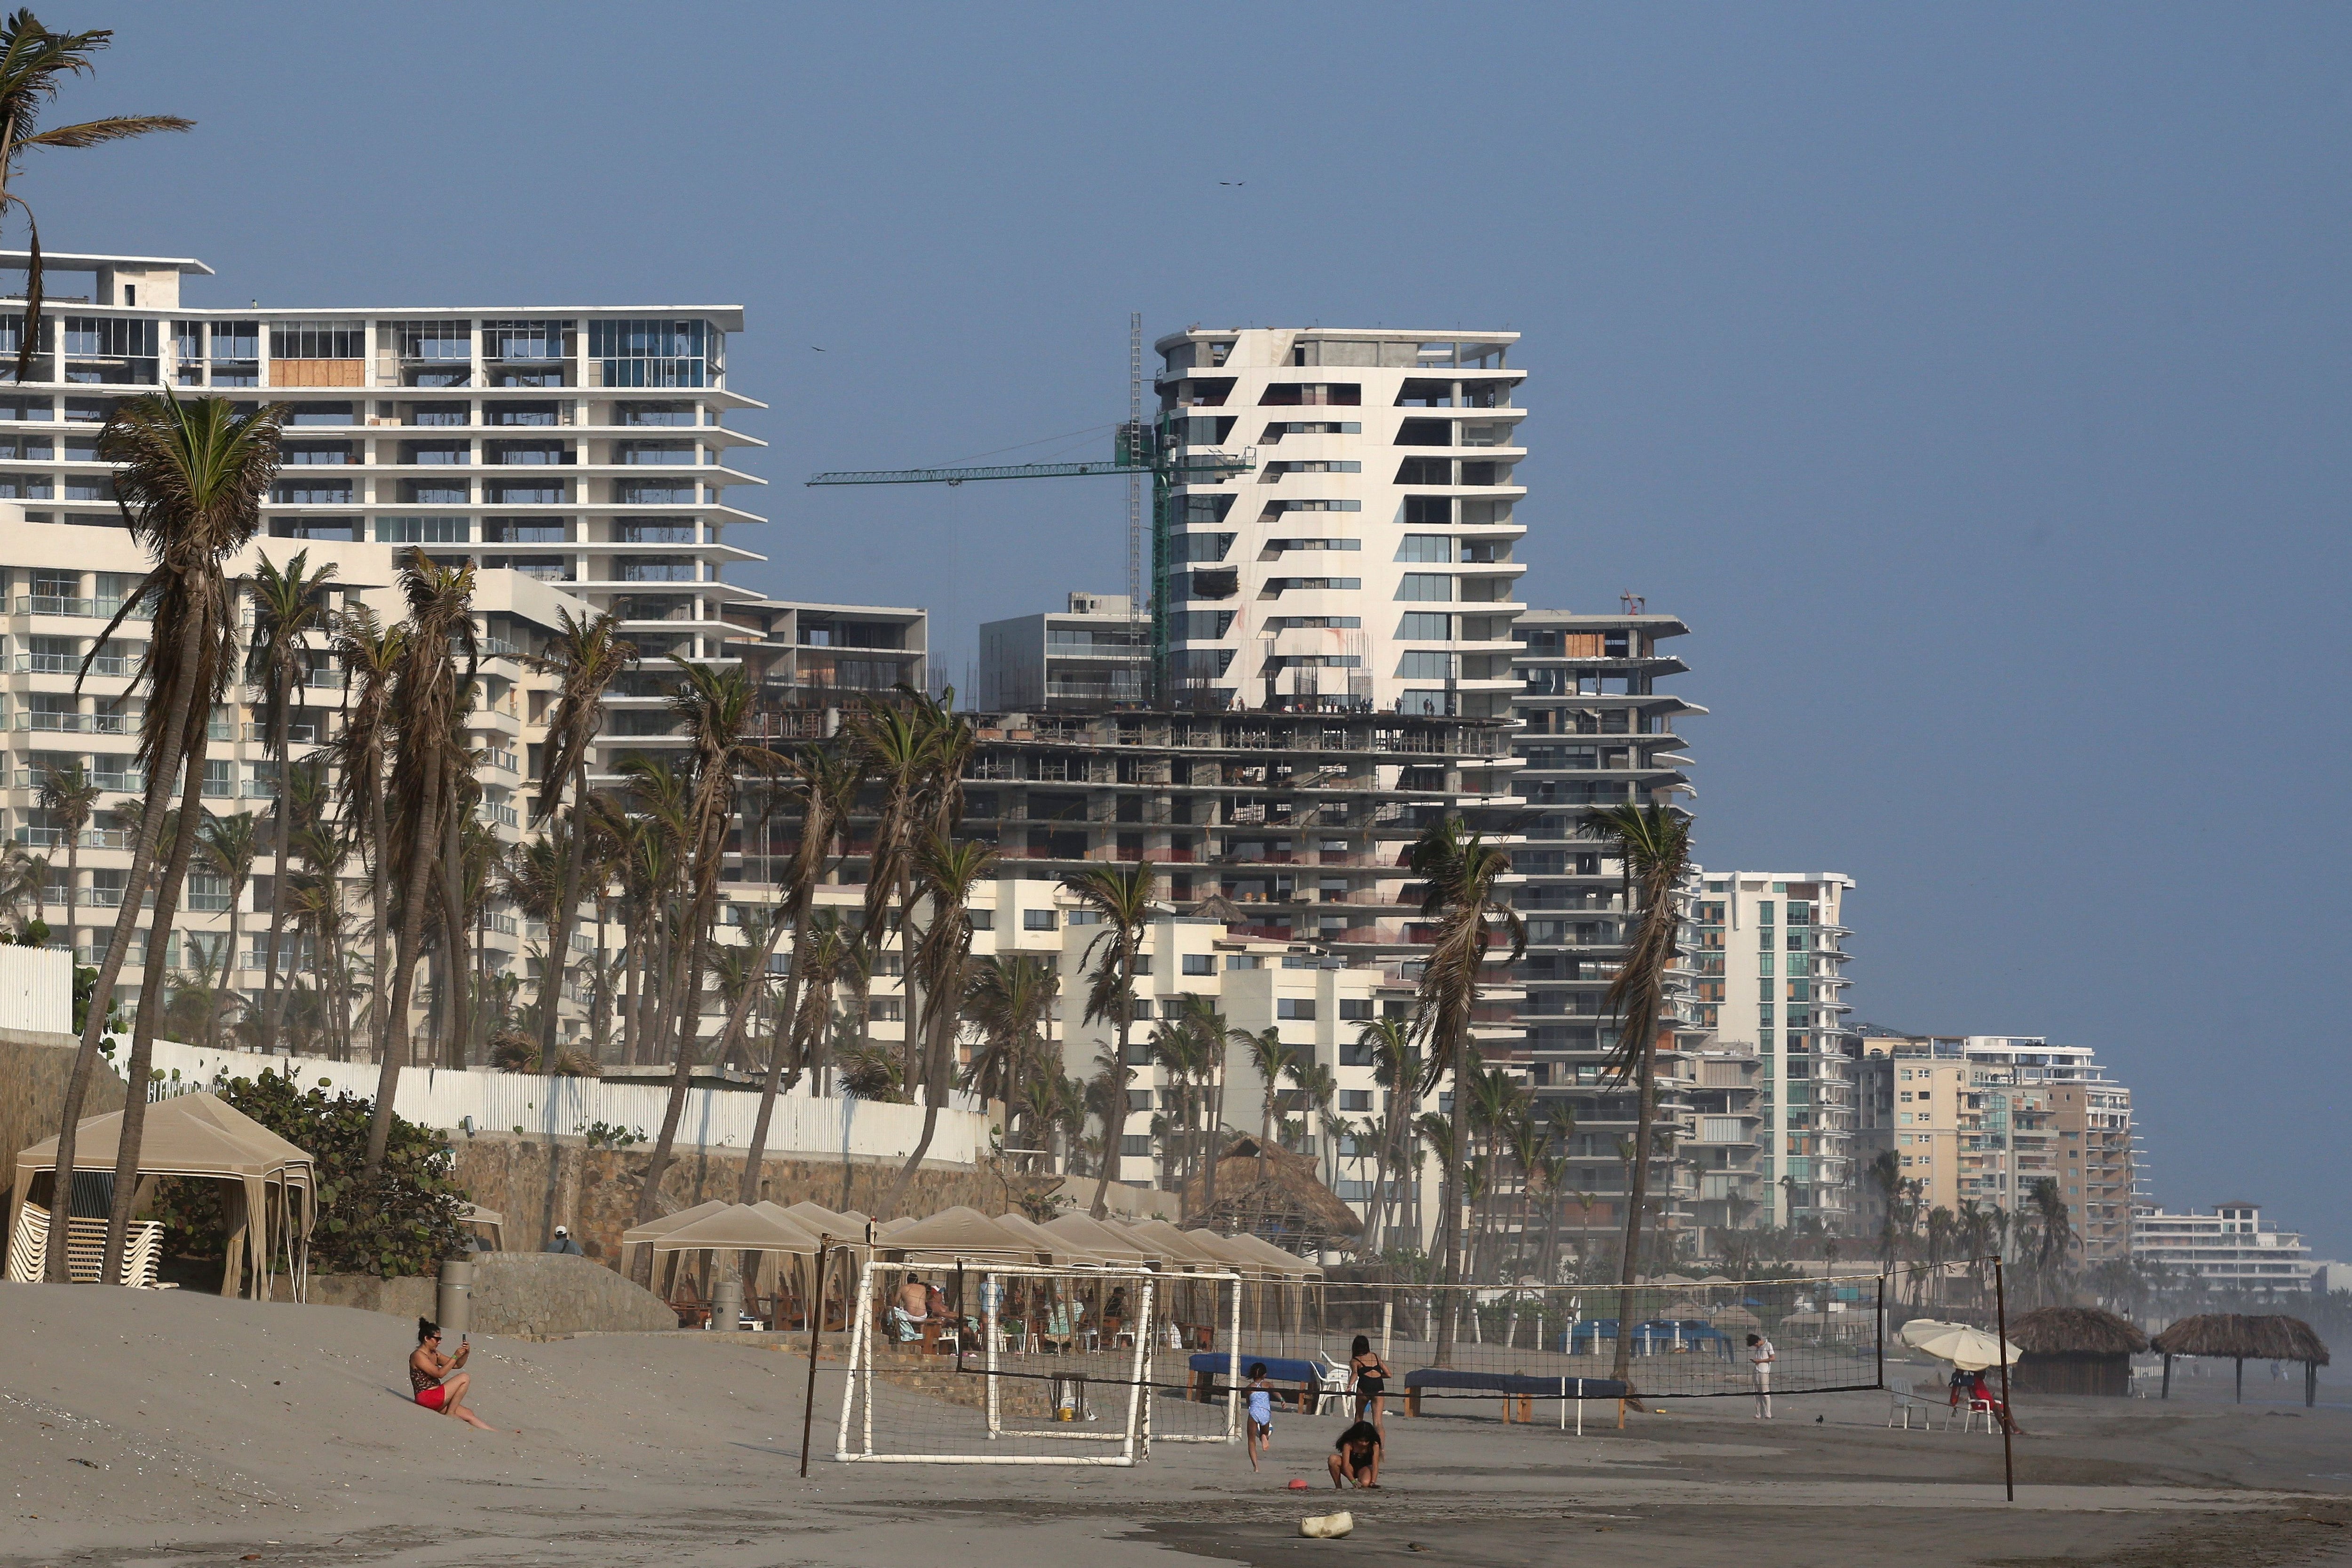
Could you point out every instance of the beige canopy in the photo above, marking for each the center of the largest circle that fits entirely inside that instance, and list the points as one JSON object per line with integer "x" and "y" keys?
{"x": 203, "y": 1136}
{"x": 739, "y": 1228}
{"x": 1177, "y": 1247}
{"x": 845, "y": 1228}
{"x": 1271, "y": 1257}
{"x": 489, "y": 1220}
{"x": 667, "y": 1223}
{"x": 961, "y": 1232}
{"x": 1110, "y": 1243}
{"x": 1061, "y": 1247}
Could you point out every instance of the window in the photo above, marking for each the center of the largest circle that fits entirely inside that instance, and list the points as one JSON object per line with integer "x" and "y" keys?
{"x": 1425, "y": 664}
{"x": 1426, "y": 626}
{"x": 1356, "y": 1009}
{"x": 1302, "y": 1008}
{"x": 1282, "y": 547}
{"x": 1425, "y": 546}
{"x": 1425, "y": 585}
{"x": 423, "y": 530}
{"x": 523, "y": 340}
{"x": 316, "y": 341}
{"x": 654, "y": 353}
{"x": 982, "y": 919}
{"x": 886, "y": 1009}
{"x": 1143, "y": 1011}
{"x": 653, "y": 413}
{"x": 1142, "y": 966}
{"x": 1355, "y": 1098}
{"x": 435, "y": 341}
{"x": 1199, "y": 963}
{"x": 1139, "y": 1099}
{"x": 1040, "y": 920}
{"x": 1136, "y": 1144}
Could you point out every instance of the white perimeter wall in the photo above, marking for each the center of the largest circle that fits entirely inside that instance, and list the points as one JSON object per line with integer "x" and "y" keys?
{"x": 445, "y": 1098}
{"x": 37, "y": 990}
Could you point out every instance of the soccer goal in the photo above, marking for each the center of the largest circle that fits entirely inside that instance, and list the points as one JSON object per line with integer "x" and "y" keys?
{"x": 990, "y": 1363}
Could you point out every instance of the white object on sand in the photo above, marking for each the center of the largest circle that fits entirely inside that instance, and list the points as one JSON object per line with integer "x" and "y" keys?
{"x": 1327, "y": 1526}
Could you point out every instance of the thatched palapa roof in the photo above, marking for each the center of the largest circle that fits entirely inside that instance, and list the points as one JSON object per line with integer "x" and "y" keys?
{"x": 2077, "y": 1331}
{"x": 1268, "y": 1191}
{"x": 2271, "y": 1336}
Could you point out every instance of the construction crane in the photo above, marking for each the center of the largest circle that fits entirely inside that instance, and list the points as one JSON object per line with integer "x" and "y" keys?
{"x": 1136, "y": 449}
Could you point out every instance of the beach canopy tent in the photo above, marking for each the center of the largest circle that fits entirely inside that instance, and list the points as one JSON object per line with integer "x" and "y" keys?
{"x": 1059, "y": 1247}
{"x": 489, "y": 1221}
{"x": 663, "y": 1224}
{"x": 272, "y": 1203}
{"x": 1108, "y": 1242}
{"x": 739, "y": 1228}
{"x": 846, "y": 1227}
{"x": 2242, "y": 1338}
{"x": 1274, "y": 1258}
{"x": 1969, "y": 1348}
{"x": 959, "y": 1232}
{"x": 2075, "y": 1350}
{"x": 1178, "y": 1249}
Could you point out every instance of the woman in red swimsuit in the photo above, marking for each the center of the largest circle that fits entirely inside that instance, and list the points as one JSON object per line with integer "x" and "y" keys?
{"x": 428, "y": 1369}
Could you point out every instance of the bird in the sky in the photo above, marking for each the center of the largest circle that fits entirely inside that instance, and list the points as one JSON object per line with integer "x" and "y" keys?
{"x": 1233, "y": 182}
{"x": 814, "y": 349}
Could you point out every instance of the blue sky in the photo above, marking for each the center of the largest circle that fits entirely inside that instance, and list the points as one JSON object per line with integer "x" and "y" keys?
{"x": 1972, "y": 381}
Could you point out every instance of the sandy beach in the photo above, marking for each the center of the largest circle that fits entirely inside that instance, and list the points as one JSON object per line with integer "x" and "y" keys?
{"x": 174, "y": 1429}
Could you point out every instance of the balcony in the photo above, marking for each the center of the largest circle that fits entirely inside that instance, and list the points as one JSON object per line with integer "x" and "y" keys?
{"x": 71, "y": 723}
{"x": 93, "y": 608}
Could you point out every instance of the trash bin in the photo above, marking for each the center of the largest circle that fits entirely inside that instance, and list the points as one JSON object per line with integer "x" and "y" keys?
{"x": 726, "y": 1305}
{"x": 455, "y": 1300}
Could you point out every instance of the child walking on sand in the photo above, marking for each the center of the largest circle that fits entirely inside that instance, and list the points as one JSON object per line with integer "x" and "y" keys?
{"x": 1261, "y": 1412}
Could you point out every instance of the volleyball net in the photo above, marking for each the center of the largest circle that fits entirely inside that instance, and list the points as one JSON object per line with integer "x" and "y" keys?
{"x": 981, "y": 1362}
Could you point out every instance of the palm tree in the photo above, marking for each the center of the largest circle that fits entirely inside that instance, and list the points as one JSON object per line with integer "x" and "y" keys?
{"x": 34, "y": 63}
{"x": 371, "y": 657}
{"x": 1010, "y": 998}
{"x": 189, "y": 480}
{"x": 1396, "y": 1068}
{"x": 1458, "y": 870}
{"x": 1271, "y": 1057}
{"x": 715, "y": 707}
{"x": 428, "y": 692}
{"x": 69, "y": 795}
{"x": 2054, "y": 1235}
{"x": 1121, "y": 895}
{"x": 586, "y": 656}
{"x": 288, "y": 606}
{"x": 825, "y": 784}
{"x": 24, "y": 879}
{"x": 1320, "y": 1090}
{"x": 226, "y": 847}
{"x": 893, "y": 744}
{"x": 947, "y": 871}
{"x": 1198, "y": 1014}
{"x": 1654, "y": 845}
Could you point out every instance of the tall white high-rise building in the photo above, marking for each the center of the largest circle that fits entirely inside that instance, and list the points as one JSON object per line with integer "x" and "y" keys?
{"x": 1772, "y": 975}
{"x": 1363, "y": 558}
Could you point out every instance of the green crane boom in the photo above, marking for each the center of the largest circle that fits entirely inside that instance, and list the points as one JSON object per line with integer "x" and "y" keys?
{"x": 1137, "y": 448}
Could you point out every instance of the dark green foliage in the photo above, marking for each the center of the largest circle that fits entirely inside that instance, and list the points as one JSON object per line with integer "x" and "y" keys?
{"x": 403, "y": 1223}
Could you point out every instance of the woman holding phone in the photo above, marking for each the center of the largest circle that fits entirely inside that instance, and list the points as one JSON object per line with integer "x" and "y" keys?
{"x": 439, "y": 1382}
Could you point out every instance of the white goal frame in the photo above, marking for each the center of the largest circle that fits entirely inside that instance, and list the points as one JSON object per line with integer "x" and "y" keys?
{"x": 1134, "y": 1435}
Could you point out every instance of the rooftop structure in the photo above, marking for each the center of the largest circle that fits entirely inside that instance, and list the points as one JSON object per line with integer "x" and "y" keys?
{"x": 1094, "y": 654}
{"x": 2232, "y": 1248}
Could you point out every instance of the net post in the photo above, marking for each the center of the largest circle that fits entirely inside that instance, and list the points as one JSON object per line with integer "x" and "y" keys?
{"x": 1139, "y": 1405}
{"x": 1388, "y": 1321}
{"x": 816, "y": 1328}
{"x": 860, "y": 1354}
{"x": 991, "y": 1292}
{"x": 1232, "y": 1365}
{"x": 1882, "y": 1331}
{"x": 2001, "y": 1311}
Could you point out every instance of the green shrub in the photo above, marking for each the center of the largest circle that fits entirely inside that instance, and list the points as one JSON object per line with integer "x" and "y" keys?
{"x": 403, "y": 1222}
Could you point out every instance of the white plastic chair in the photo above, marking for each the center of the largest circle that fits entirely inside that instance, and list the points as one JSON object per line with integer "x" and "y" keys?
{"x": 1978, "y": 1407}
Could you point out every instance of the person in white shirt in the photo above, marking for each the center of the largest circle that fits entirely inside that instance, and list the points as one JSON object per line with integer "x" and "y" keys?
{"x": 1760, "y": 1355}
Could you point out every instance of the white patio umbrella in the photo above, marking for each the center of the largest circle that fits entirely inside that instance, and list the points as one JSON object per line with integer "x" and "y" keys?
{"x": 1969, "y": 1349}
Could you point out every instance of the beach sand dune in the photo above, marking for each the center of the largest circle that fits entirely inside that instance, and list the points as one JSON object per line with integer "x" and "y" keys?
{"x": 152, "y": 1427}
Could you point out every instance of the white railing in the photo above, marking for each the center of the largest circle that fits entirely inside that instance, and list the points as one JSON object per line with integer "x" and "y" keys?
{"x": 451, "y": 1101}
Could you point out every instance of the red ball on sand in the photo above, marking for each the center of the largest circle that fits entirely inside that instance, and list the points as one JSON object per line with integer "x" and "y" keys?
{"x": 1298, "y": 1486}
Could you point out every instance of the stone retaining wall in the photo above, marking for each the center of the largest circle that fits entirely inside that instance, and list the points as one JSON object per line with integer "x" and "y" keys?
{"x": 514, "y": 1293}
{"x": 541, "y": 1183}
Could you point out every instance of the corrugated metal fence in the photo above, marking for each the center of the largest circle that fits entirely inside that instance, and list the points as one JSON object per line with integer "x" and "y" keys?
{"x": 37, "y": 990}
{"x": 452, "y": 1101}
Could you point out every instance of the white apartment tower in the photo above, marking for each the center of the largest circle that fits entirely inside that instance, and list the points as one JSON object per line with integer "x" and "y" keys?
{"x": 1363, "y": 559}
{"x": 1772, "y": 975}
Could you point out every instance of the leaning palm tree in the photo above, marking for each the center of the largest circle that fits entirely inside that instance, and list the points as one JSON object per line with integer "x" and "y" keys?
{"x": 34, "y": 63}
{"x": 371, "y": 657}
{"x": 586, "y": 655}
{"x": 1120, "y": 894}
{"x": 1654, "y": 845}
{"x": 427, "y": 691}
{"x": 715, "y": 707}
{"x": 225, "y": 848}
{"x": 288, "y": 606}
{"x": 1458, "y": 872}
{"x": 189, "y": 479}
{"x": 1010, "y": 997}
{"x": 70, "y": 796}
{"x": 948, "y": 872}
